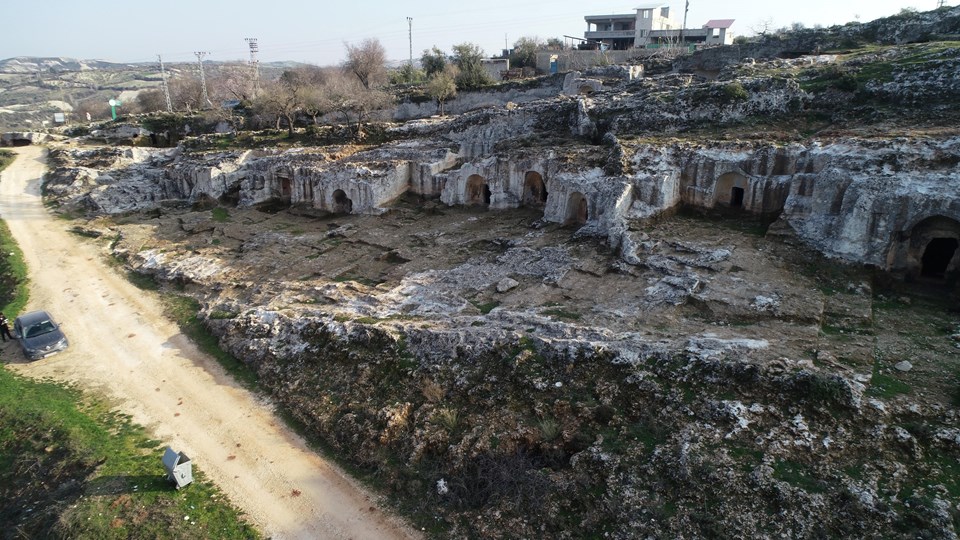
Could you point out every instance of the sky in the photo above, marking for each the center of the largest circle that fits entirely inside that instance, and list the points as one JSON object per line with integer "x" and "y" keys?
{"x": 315, "y": 32}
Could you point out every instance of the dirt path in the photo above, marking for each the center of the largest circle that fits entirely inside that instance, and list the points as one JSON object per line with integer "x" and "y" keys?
{"x": 123, "y": 347}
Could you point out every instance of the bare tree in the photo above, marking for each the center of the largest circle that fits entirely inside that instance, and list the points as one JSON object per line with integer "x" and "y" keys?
{"x": 368, "y": 61}
{"x": 762, "y": 27}
{"x": 355, "y": 102}
{"x": 98, "y": 110}
{"x": 186, "y": 93}
{"x": 151, "y": 100}
{"x": 315, "y": 94}
{"x": 231, "y": 82}
{"x": 284, "y": 98}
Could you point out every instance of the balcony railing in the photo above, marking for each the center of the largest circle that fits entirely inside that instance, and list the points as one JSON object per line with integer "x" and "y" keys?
{"x": 610, "y": 34}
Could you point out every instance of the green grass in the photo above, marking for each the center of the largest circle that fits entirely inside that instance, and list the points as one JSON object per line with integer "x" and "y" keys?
{"x": 562, "y": 314}
{"x": 797, "y": 475}
{"x": 485, "y": 307}
{"x": 71, "y": 468}
{"x": 220, "y": 215}
{"x": 145, "y": 282}
{"x": 349, "y": 276}
{"x": 6, "y": 158}
{"x": 13, "y": 274}
{"x": 886, "y": 386}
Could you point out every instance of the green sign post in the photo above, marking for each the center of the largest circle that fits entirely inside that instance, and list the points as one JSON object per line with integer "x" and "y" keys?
{"x": 114, "y": 103}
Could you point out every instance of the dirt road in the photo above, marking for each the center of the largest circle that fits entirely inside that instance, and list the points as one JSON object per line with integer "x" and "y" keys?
{"x": 122, "y": 346}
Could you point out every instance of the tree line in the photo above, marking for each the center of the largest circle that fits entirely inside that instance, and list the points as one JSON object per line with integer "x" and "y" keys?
{"x": 351, "y": 92}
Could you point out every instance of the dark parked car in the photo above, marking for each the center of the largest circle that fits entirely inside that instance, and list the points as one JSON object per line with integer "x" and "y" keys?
{"x": 39, "y": 335}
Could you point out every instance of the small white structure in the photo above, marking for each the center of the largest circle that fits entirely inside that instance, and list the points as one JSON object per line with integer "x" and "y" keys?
{"x": 179, "y": 467}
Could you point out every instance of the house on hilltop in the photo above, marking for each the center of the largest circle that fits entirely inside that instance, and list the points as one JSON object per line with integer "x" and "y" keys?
{"x": 652, "y": 26}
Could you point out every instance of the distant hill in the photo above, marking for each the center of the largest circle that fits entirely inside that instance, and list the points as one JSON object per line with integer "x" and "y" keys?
{"x": 22, "y": 65}
{"x": 29, "y": 64}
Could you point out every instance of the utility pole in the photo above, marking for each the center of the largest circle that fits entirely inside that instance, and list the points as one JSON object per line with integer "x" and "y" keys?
{"x": 163, "y": 83}
{"x": 254, "y": 49}
{"x": 410, "y": 26}
{"x": 940, "y": 3}
{"x": 686, "y": 8}
{"x": 203, "y": 80}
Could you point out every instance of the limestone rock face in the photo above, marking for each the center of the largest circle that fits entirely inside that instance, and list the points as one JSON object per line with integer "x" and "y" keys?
{"x": 575, "y": 84}
{"x": 876, "y": 202}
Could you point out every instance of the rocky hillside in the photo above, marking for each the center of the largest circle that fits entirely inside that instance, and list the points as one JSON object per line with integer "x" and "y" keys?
{"x": 699, "y": 304}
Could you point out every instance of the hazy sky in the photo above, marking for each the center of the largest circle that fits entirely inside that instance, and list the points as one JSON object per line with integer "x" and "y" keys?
{"x": 314, "y": 32}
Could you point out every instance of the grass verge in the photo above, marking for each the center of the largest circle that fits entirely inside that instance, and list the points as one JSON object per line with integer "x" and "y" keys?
{"x": 13, "y": 274}
{"x": 6, "y": 158}
{"x": 72, "y": 468}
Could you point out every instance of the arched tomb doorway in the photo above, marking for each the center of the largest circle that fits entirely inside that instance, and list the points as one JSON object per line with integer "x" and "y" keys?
{"x": 478, "y": 191}
{"x": 731, "y": 190}
{"x": 534, "y": 190}
{"x": 935, "y": 246}
{"x": 286, "y": 192}
{"x": 578, "y": 209}
{"x": 937, "y": 256}
{"x": 341, "y": 203}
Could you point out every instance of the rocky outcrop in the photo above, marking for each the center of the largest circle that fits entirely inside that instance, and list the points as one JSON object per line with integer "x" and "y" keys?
{"x": 467, "y": 101}
{"x": 24, "y": 138}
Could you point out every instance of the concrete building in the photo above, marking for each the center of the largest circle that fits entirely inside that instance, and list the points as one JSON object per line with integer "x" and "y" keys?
{"x": 652, "y": 26}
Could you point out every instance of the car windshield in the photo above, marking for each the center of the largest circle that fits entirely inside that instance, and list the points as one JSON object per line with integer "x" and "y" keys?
{"x": 40, "y": 328}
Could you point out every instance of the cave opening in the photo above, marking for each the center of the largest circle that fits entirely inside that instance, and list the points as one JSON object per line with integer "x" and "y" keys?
{"x": 341, "y": 203}
{"x": 937, "y": 256}
{"x": 736, "y": 197}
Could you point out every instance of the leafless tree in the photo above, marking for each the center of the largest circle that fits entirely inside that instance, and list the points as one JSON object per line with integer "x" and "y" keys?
{"x": 355, "y": 102}
{"x": 762, "y": 27}
{"x": 98, "y": 110}
{"x": 151, "y": 101}
{"x": 315, "y": 95}
{"x": 186, "y": 93}
{"x": 231, "y": 82}
{"x": 283, "y": 98}
{"x": 368, "y": 62}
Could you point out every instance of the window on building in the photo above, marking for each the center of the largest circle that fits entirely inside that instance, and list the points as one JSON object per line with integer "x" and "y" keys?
{"x": 646, "y": 14}
{"x": 716, "y": 32}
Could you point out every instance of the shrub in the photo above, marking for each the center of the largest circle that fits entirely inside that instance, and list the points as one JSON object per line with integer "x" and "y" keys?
{"x": 735, "y": 92}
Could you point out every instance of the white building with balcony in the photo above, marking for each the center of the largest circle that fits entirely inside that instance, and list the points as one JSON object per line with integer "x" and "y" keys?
{"x": 652, "y": 25}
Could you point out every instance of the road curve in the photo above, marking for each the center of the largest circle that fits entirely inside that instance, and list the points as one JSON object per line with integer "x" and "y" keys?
{"x": 123, "y": 347}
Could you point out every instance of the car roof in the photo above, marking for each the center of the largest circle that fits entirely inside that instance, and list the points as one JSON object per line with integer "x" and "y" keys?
{"x": 34, "y": 317}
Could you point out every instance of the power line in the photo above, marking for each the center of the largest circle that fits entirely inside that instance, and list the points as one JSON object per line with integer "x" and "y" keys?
{"x": 254, "y": 49}
{"x": 410, "y": 24}
{"x": 203, "y": 80}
